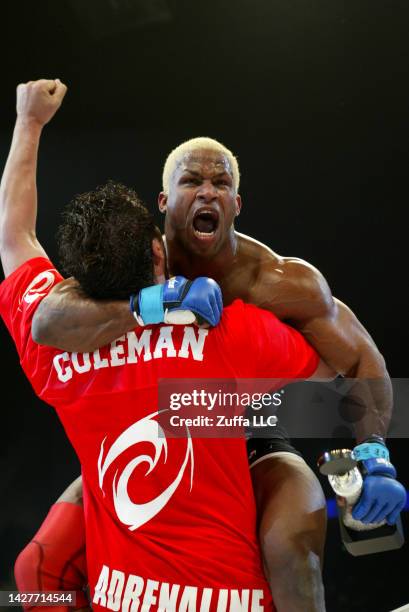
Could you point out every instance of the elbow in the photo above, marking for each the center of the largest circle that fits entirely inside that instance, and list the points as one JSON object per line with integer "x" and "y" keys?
{"x": 324, "y": 372}
{"x": 369, "y": 364}
{"x": 47, "y": 329}
{"x": 43, "y": 325}
{"x": 39, "y": 330}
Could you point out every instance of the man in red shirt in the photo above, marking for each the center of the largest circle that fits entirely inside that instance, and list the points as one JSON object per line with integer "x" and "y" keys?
{"x": 179, "y": 535}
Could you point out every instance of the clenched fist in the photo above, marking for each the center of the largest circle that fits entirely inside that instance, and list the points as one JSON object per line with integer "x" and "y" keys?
{"x": 39, "y": 100}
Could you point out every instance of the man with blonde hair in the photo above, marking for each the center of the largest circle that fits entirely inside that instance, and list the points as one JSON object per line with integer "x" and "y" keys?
{"x": 195, "y": 144}
{"x": 200, "y": 201}
{"x": 164, "y": 537}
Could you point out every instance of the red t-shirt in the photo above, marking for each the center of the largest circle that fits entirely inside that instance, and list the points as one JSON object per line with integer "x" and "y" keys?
{"x": 170, "y": 523}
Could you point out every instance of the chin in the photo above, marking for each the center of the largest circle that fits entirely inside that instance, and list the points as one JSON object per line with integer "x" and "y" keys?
{"x": 202, "y": 251}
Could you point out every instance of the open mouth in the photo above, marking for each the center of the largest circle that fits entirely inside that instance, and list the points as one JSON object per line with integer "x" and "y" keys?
{"x": 205, "y": 223}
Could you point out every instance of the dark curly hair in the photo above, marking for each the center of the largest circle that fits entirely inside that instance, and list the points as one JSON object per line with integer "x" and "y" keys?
{"x": 105, "y": 242}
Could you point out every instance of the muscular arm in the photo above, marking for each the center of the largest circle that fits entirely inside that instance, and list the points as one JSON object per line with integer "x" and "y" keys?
{"x": 36, "y": 104}
{"x": 302, "y": 297}
{"x": 292, "y": 289}
{"x": 18, "y": 198}
{"x": 69, "y": 320}
{"x": 345, "y": 345}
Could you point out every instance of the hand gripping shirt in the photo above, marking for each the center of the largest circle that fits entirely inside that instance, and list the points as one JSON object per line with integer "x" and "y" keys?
{"x": 170, "y": 521}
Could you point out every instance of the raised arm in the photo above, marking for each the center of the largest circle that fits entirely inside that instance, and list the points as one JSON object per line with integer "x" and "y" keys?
{"x": 37, "y": 102}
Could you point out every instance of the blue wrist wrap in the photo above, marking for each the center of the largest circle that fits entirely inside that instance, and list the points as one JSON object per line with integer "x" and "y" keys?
{"x": 151, "y": 304}
{"x": 371, "y": 450}
{"x": 379, "y": 466}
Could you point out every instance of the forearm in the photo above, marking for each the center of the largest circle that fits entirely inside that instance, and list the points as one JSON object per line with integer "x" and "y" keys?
{"x": 18, "y": 198}
{"x": 345, "y": 345}
{"x": 66, "y": 322}
{"x": 370, "y": 398}
{"x": 18, "y": 192}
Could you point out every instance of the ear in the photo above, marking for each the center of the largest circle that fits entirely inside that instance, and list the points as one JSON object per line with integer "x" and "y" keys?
{"x": 238, "y": 204}
{"x": 163, "y": 202}
{"x": 159, "y": 261}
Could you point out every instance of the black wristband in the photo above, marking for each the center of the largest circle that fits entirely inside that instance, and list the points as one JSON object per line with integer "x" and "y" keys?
{"x": 374, "y": 438}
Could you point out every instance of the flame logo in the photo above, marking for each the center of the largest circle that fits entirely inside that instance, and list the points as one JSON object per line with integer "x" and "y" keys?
{"x": 39, "y": 286}
{"x": 145, "y": 430}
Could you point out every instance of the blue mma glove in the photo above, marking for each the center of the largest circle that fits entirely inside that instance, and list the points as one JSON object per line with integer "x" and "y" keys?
{"x": 382, "y": 497}
{"x": 179, "y": 301}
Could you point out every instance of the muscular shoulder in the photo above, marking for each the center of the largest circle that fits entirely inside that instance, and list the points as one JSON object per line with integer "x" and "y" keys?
{"x": 290, "y": 287}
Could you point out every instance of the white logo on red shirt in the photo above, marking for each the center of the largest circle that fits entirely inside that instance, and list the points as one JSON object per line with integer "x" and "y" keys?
{"x": 39, "y": 286}
{"x": 146, "y": 430}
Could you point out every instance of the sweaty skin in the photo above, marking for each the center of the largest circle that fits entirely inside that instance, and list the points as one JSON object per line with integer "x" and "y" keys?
{"x": 292, "y": 542}
{"x": 297, "y": 293}
{"x": 292, "y": 289}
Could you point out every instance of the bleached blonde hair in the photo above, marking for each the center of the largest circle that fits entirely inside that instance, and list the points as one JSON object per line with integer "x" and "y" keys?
{"x": 175, "y": 157}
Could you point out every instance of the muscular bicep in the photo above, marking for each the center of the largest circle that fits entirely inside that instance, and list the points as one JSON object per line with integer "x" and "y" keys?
{"x": 299, "y": 294}
{"x": 67, "y": 319}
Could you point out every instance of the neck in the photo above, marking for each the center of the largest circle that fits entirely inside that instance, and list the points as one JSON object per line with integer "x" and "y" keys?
{"x": 191, "y": 265}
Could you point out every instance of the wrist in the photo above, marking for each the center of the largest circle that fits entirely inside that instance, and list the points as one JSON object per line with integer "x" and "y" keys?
{"x": 374, "y": 438}
{"x": 29, "y": 124}
{"x": 372, "y": 448}
{"x": 373, "y": 457}
{"x": 147, "y": 305}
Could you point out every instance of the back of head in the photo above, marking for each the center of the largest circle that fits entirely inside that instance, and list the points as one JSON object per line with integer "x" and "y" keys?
{"x": 194, "y": 144}
{"x": 105, "y": 242}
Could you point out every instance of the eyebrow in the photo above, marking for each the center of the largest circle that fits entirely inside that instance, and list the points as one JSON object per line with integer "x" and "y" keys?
{"x": 200, "y": 175}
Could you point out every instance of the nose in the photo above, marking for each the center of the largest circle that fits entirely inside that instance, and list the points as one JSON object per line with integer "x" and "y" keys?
{"x": 206, "y": 192}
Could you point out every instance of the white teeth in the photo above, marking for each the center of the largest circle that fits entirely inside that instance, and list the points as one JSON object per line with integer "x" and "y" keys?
{"x": 204, "y": 233}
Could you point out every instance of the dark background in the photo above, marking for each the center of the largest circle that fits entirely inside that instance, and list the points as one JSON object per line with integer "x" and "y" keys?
{"x": 312, "y": 97}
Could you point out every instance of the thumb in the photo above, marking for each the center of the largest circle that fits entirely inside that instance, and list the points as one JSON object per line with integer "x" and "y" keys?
{"x": 362, "y": 506}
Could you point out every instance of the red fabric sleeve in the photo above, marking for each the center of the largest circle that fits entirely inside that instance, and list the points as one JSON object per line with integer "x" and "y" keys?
{"x": 20, "y": 295}
{"x": 55, "y": 560}
{"x": 274, "y": 349}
